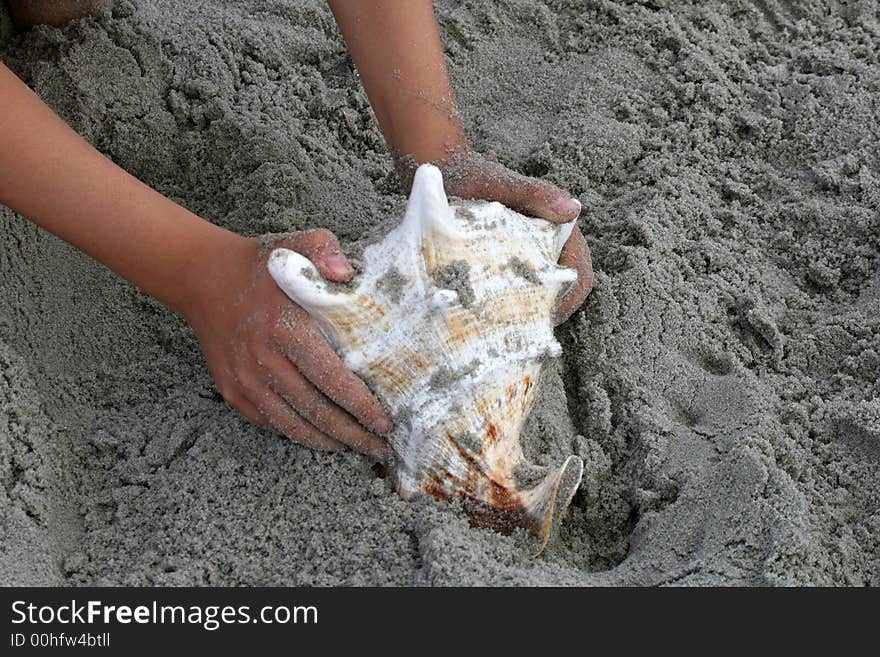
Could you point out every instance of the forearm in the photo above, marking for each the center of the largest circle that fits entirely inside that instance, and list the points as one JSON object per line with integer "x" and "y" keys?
{"x": 57, "y": 180}
{"x": 397, "y": 50}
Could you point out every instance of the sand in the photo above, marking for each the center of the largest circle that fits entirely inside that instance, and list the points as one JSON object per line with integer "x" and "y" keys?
{"x": 721, "y": 382}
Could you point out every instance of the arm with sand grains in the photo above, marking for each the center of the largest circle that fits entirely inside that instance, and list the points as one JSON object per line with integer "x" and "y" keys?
{"x": 249, "y": 331}
{"x": 396, "y": 47}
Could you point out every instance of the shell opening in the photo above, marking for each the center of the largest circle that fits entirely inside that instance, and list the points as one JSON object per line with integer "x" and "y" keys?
{"x": 547, "y": 502}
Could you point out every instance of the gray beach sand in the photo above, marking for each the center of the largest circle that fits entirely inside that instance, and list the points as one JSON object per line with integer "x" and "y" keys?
{"x": 721, "y": 382}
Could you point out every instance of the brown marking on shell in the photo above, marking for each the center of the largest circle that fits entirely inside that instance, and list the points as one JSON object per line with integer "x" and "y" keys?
{"x": 387, "y": 377}
{"x": 461, "y": 450}
{"x": 484, "y": 410}
{"x": 388, "y": 365}
{"x": 489, "y": 503}
{"x": 348, "y": 323}
{"x": 527, "y": 386}
{"x": 440, "y": 482}
{"x": 500, "y": 509}
{"x": 492, "y": 433}
{"x": 475, "y": 469}
{"x": 416, "y": 361}
{"x": 430, "y": 254}
{"x": 387, "y": 374}
{"x": 511, "y": 392}
{"x": 463, "y": 326}
{"x": 488, "y": 408}
{"x": 476, "y": 472}
{"x": 371, "y": 309}
{"x": 435, "y": 486}
{"x": 506, "y": 309}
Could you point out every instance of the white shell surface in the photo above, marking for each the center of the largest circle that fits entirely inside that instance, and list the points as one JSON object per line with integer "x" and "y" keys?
{"x": 449, "y": 325}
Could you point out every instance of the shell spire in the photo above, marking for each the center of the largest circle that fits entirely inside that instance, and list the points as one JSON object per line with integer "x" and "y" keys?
{"x": 428, "y": 207}
{"x": 449, "y": 325}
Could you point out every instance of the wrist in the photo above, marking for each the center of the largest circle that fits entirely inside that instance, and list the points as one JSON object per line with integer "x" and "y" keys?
{"x": 219, "y": 260}
{"x": 429, "y": 136}
{"x": 441, "y": 154}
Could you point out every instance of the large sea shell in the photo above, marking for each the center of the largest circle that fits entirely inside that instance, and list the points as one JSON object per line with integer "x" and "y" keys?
{"x": 449, "y": 325}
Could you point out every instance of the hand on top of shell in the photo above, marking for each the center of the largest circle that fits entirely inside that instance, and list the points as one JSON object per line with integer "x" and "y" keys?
{"x": 449, "y": 325}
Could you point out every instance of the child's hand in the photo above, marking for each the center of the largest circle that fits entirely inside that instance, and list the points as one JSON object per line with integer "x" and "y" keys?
{"x": 270, "y": 360}
{"x": 469, "y": 175}
{"x": 396, "y": 47}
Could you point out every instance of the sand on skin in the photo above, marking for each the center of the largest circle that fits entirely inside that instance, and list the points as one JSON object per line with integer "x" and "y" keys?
{"x": 721, "y": 383}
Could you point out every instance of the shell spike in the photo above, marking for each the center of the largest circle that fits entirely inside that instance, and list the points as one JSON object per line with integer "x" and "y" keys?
{"x": 563, "y": 232}
{"x": 428, "y": 206}
{"x": 300, "y": 280}
{"x": 559, "y": 276}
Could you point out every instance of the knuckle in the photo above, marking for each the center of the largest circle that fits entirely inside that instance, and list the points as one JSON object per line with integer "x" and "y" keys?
{"x": 239, "y": 377}
{"x": 544, "y": 191}
{"x": 262, "y": 354}
{"x": 322, "y": 235}
{"x": 289, "y": 240}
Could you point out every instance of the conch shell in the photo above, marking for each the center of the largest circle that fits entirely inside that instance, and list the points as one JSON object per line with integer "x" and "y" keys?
{"x": 449, "y": 325}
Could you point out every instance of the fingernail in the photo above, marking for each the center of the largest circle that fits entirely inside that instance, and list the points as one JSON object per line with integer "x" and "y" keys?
{"x": 566, "y": 207}
{"x": 382, "y": 425}
{"x": 338, "y": 264}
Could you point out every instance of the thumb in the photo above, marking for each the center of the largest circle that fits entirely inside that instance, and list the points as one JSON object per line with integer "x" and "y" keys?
{"x": 322, "y": 248}
{"x": 539, "y": 198}
{"x": 474, "y": 177}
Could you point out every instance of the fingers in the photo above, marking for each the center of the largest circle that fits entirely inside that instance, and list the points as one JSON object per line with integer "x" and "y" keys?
{"x": 322, "y": 413}
{"x": 576, "y": 255}
{"x": 322, "y": 248}
{"x": 539, "y": 198}
{"x": 250, "y": 411}
{"x": 308, "y": 350}
{"x": 472, "y": 176}
{"x": 285, "y": 420}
